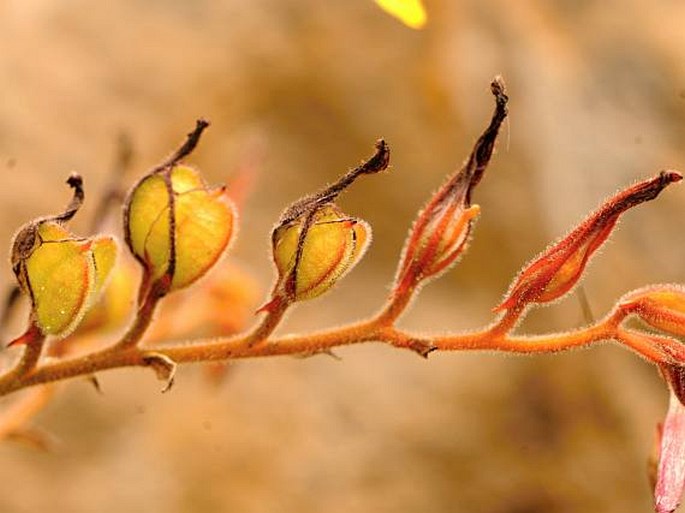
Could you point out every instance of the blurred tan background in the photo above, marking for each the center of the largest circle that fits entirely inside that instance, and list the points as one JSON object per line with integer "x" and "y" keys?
{"x": 597, "y": 100}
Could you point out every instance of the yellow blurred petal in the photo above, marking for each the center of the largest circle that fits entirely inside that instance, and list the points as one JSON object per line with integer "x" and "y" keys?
{"x": 220, "y": 305}
{"x": 119, "y": 294}
{"x": 410, "y": 12}
{"x": 61, "y": 276}
{"x": 116, "y": 304}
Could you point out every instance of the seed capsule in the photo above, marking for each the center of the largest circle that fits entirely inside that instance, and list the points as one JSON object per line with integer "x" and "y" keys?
{"x": 176, "y": 226}
{"x": 62, "y": 274}
{"x": 557, "y": 270}
{"x": 315, "y": 244}
{"x": 312, "y": 254}
{"x": 441, "y": 231}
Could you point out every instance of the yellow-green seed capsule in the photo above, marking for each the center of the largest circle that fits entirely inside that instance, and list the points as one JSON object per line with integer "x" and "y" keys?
{"x": 310, "y": 263}
{"x": 176, "y": 226}
{"x": 61, "y": 274}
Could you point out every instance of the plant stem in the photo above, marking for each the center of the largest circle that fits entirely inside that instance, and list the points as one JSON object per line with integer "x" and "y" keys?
{"x": 397, "y": 303}
{"x": 143, "y": 318}
{"x": 204, "y": 350}
{"x": 274, "y": 315}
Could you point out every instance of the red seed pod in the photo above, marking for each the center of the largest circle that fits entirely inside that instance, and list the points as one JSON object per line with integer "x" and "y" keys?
{"x": 441, "y": 231}
{"x": 557, "y": 270}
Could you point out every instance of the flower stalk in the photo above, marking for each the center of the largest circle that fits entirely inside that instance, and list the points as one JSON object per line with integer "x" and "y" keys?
{"x": 177, "y": 228}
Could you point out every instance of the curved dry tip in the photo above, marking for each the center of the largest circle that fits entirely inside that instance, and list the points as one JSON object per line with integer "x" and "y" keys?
{"x": 380, "y": 159}
{"x": 670, "y": 176}
{"x": 75, "y": 180}
{"x": 201, "y": 124}
{"x": 499, "y": 90}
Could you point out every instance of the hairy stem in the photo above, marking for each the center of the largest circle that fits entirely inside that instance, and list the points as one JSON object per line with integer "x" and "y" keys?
{"x": 397, "y": 303}
{"x": 151, "y": 295}
{"x": 245, "y": 346}
{"x": 274, "y": 315}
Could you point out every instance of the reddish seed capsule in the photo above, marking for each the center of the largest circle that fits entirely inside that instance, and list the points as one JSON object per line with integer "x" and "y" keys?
{"x": 441, "y": 231}
{"x": 557, "y": 270}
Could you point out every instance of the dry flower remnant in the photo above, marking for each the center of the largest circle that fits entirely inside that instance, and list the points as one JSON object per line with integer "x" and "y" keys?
{"x": 177, "y": 228}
